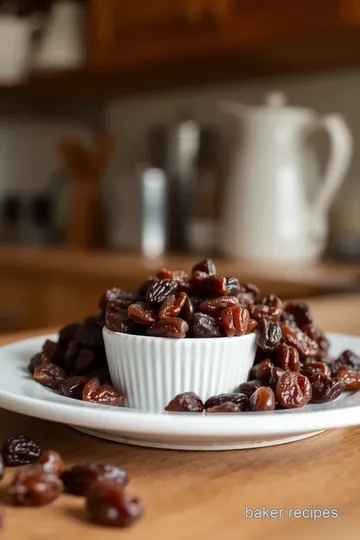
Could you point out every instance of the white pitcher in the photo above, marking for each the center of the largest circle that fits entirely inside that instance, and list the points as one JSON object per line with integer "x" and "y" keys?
{"x": 275, "y": 205}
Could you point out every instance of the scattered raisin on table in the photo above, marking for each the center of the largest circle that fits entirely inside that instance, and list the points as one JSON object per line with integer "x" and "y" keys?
{"x": 172, "y": 327}
{"x": 225, "y": 407}
{"x": 49, "y": 375}
{"x": 263, "y": 399}
{"x": 288, "y": 357}
{"x": 235, "y": 321}
{"x": 85, "y": 362}
{"x": 37, "y": 360}
{"x": 293, "y": 390}
{"x": 205, "y": 326}
{"x": 104, "y": 394}
{"x": 269, "y": 335}
{"x": 325, "y": 389}
{"x": 142, "y": 313}
{"x": 172, "y": 306}
{"x": 160, "y": 290}
{"x": 33, "y": 486}
{"x": 241, "y": 400}
{"x": 108, "y": 504}
{"x": 51, "y": 462}
{"x": 262, "y": 371}
{"x": 186, "y": 402}
{"x": 73, "y": 386}
{"x": 19, "y": 450}
{"x": 77, "y": 479}
{"x": 249, "y": 387}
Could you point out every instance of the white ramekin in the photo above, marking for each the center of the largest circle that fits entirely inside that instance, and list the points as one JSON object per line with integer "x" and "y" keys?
{"x": 152, "y": 370}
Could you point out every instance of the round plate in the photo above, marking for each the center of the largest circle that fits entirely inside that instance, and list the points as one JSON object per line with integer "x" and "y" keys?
{"x": 184, "y": 431}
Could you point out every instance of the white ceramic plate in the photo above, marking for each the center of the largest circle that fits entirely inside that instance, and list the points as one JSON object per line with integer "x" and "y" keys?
{"x": 184, "y": 431}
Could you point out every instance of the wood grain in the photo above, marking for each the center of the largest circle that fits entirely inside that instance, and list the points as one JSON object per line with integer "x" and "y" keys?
{"x": 193, "y": 495}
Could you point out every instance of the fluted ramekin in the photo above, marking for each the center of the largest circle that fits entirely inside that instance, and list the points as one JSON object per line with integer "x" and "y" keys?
{"x": 152, "y": 370}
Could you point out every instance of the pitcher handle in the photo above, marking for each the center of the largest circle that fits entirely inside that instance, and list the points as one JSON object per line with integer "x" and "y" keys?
{"x": 340, "y": 156}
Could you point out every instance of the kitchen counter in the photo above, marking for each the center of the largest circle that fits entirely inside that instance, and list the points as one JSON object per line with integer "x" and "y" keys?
{"x": 51, "y": 286}
{"x": 192, "y": 495}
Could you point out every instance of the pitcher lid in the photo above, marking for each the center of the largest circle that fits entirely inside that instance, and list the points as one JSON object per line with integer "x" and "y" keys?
{"x": 277, "y": 102}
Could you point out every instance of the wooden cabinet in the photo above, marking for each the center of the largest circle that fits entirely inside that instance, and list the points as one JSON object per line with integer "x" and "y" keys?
{"x": 138, "y": 33}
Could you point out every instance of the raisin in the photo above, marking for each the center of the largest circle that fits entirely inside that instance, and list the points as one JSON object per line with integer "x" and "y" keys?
{"x": 67, "y": 333}
{"x": 34, "y": 487}
{"x": 172, "y": 327}
{"x": 262, "y": 311}
{"x": 189, "y": 309}
{"x": 249, "y": 387}
{"x": 293, "y": 390}
{"x": 314, "y": 367}
{"x": 49, "y": 375}
{"x": 178, "y": 275}
{"x": 273, "y": 301}
{"x": 118, "y": 323}
{"x": 205, "y": 326}
{"x": 50, "y": 350}
{"x": 250, "y": 288}
{"x": 105, "y": 394}
{"x": 72, "y": 387}
{"x": 288, "y": 358}
{"x": 85, "y": 362}
{"x": 122, "y": 298}
{"x": 78, "y": 478}
{"x": 215, "y": 306}
{"x": 160, "y": 290}
{"x": 251, "y": 326}
{"x": 235, "y": 321}
{"x": 275, "y": 374}
{"x": 90, "y": 334}
{"x": 269, "y": 335}
{"x": 262, "y": 371}
{"x": 172, "y": 306}
{"x": 349, "y": 376}
{"x": 245, "y": 299}
{"x": 19, "y": 450}
{"x": 232, "y": 286}
{"x": 206, "y": 266}
{"x": 226, "y": 407}
{"x": 300, "y": 312}
{"x": 325, "y": 389}
{"x": 37, "y": 360}
{"x": 108, "y": 504}
{"x": 293, "y": 336}
{"x": 51, "y": 462}
{"x": 141, "y": 293}
{"x": 142, "y": 313}
{"x": 317, "y": 335}
{"x": 350, "y": 359}
{"x": 241, "y": 400}
{"x": 213, "y": 286}
{"x": 186, "y": 402}
{"x": 263, "y": 399}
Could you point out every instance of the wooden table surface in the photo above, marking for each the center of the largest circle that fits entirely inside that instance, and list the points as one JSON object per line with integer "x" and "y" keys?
{"x": 203, "y": 495}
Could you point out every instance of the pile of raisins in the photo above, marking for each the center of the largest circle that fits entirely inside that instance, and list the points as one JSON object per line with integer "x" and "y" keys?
{"x": 174, "y": 304}
{"x": 292, "y": 365}
{"x": 45, "y": 478}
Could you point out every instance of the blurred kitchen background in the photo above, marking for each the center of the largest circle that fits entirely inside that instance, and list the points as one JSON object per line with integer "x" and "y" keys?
{"x": 139, "y": 134}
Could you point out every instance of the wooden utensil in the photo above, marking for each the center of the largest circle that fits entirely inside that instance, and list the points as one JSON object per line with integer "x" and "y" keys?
{"x": 85, "y": 167}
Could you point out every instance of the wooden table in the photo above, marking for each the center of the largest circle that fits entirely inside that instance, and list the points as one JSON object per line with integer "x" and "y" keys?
{"x": 202, "y": 495}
